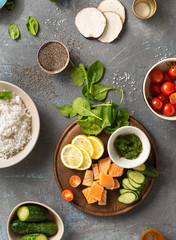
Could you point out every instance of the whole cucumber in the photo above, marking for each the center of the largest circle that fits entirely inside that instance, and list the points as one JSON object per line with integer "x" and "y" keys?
{"x": 47, "y": 228}
{"x": 32, "y": 213}
{"x": 35, "y": 236}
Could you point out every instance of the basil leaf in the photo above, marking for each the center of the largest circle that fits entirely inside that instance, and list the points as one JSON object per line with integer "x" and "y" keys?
{"x": 66, "y": 110}
{"x": 14, "y": 31}
{"x": 95, "y": 72}
{"x": 10, "y": 5}
{"x": 5, "y": 95}
{"x": 32, "y": 25}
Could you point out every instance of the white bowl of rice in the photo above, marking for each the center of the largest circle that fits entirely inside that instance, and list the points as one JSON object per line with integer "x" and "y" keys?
{"x": 20, "y": 125}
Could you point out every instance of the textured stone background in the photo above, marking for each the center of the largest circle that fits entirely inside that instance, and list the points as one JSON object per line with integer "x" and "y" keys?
{"x": 140, "y": 45}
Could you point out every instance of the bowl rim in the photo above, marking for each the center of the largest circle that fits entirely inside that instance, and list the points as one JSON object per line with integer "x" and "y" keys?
{"x": 53, "y": 71}
{"x": 3, "y": 5}
{"x": 61, "y": 226}
{"x": 33, "y": 141}
{"x": 172, "y": 118}
{"x": 123, "y": 162}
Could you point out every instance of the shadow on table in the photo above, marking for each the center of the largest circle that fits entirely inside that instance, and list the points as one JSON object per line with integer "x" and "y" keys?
{"x": 13, "y": 15}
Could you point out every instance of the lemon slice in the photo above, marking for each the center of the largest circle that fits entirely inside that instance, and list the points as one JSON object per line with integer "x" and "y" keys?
{"x": 83, "y": 142}
{"x": 87, "y": 161}
{"x": 72, "y": 156}
{"x": 98, "y": 147}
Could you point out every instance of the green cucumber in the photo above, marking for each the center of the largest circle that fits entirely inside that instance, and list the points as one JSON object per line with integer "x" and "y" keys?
{"x": 147, "y": 170}
{"x": 136, "y": 185}
{"x": 33, "y": 213}
{"x": 126, "y": 184}
{"x": 34, "y": 236}
{"x": 123, "y": 190}
{"x": 47, "y": 228}
{"x": 127, "y": 198}
{"x": 136, "y": 176}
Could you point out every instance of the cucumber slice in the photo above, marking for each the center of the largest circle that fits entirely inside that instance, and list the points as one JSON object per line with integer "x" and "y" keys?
{"x": 35, "y": 236}
{"x": 32, "y": 213}
{"x": 47, "y": 228}
{"x": 148, "y": 171}
{"x": 136, "y": 185}
{"x": 140, "y": 168}
{"x": 127, "y": 198}
{"x": 136, "y": 176}
{"x": 122, "y": 191}
{"x": 126, "y": 184}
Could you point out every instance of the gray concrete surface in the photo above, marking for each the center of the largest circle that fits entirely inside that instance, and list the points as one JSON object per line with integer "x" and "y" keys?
{"x": 140, "y": 45}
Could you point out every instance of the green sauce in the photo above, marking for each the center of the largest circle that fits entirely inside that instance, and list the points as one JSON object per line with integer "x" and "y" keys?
{"x": 128, "y": 146}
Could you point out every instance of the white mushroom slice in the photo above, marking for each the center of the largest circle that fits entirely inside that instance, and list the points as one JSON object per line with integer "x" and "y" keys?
{"x": 90, "y": 22}
{"x": 112, "y": 6}
{"x": 113, "y": 27}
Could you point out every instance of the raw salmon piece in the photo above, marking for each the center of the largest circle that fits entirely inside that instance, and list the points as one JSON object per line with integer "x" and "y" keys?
{"x": 95, "y": 171}
{"x": 88, "y": 178}
{"x": 103, "y": 198}
{"x": 96, "y": 191}
{"x": 104, "y": 165}
{"x": 116, "y": 183}
{"x": 115, "y": 170}
{"x": 107, "y": 181}
{"x": 86, "y": 193}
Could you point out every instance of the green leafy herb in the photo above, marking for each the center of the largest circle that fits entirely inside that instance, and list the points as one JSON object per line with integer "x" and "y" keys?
{"x": 77, "y": 75}
{"x": 5, "y": 95}
{"x": 10, "y": 5}
{"x": 32, "y": 25}
{"x": 95, "y": 72}
{"x": 100, "y": 91}
{"x": 67, "y": 110}
{"x": 14, "y": 31}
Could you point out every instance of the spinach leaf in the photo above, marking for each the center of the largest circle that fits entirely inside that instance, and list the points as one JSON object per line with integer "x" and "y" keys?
{"x": 95, "y": 72}
{"x": 85, "y": 92}
{"x": 67, "y": 110}
{"x": 14, "y": 31}
{"x": 77, "y": 75}
{"x": 83, "y": 68}
{"x": 5, "y": 95}
{"x": 106, "y": 115}
{"x": 100, "y": 91}
{"x": 122, "y": 118}
{"x": 32, "y": 25}
{"x": 89, "y": 127}
{"x": 10, "y": 5}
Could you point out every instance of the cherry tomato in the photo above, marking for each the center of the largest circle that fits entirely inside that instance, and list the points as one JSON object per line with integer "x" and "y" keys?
{"x": 172, "y": 71}
{"x": 163, "y": 98}
{"x": 75, "y": 181}
{"x": 167, "y": 78}
{"x": 155, "y": 89}
{"x": 167, "y": 88}
{"x": 156, "y": 76}
{"x": 175, "y": 85}
{"x": 156, "y": 104}
{"x": 68, "y": 195}
{"x": 172, "y": 98}
{"x": 168, "y": 110}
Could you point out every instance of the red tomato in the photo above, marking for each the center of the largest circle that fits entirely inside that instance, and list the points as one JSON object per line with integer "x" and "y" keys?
{"x": 68, "y": 195}
{"x": 75, "y": 181}
{"x": 167, "y": 78}
{"x": 168, "y": 110}
{"x": 156, "y": 104}
{"x": 155, "y": 89}
{"x": 167, "y": 88}
{"x": 172, "y": 98}
{"x": 175, "y": 85}
{"x": 163, "y": 98}
{"x": 156, "y": 76}
{"x": 172, "y": 71}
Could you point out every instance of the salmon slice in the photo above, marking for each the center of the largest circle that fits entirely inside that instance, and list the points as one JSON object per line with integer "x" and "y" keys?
{"x": 86, "y": 193}
{"x": 116, "y": 183}
{"x": 103, "y": 198}
{"x": 88, "y": 178}
{"x": 107, "y": 181}
{"x": 115, "y": 170}
{"x": 96, "y": 191}
{"x": 95, "y": 171}
{"x": 104, "y": 165}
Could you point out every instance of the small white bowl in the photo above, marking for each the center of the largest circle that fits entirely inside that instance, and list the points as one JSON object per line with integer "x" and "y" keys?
{"x": 123, "y": 162}
{"x": 162, "y": 66}
{"x": 53, "y": 216}
{"x": 35, "y": 125}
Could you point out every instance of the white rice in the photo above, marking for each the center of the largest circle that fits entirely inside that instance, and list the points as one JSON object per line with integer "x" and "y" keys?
{"x": 15, "y": 126}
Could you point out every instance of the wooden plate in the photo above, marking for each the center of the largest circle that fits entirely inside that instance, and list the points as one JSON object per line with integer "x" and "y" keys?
{"x": 113, "y": 207}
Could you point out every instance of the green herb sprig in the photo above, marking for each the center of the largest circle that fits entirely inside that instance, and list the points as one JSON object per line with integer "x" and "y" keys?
{"x": 5, "y": 95}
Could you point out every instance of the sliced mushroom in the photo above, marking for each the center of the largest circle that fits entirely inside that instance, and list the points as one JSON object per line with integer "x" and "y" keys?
{"x": 90, "y": 22}
{"x": 112, "y": 6}
{"x": 113, "y": 27}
